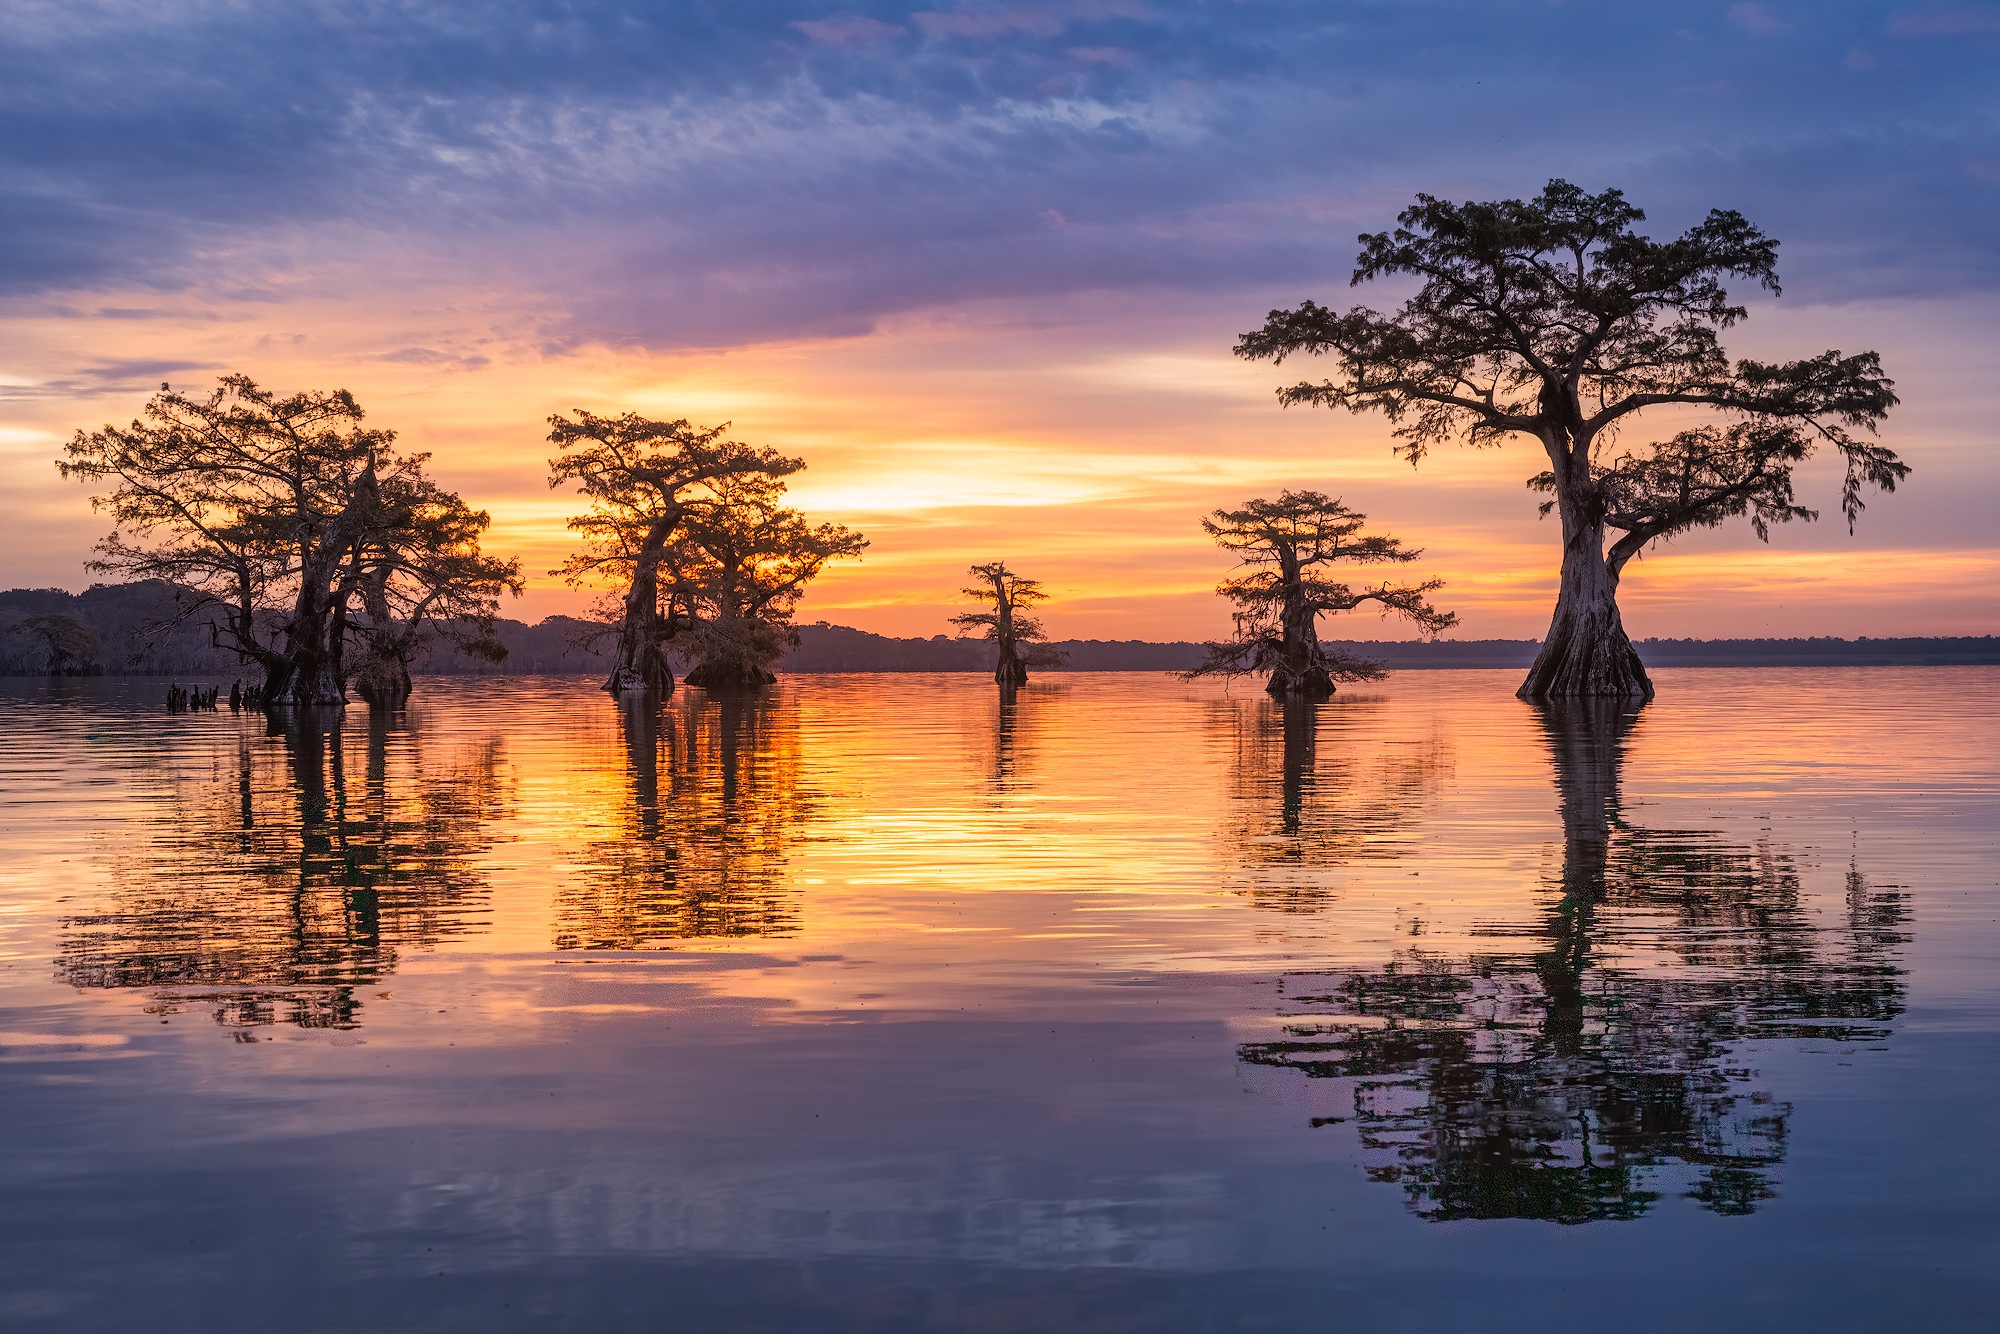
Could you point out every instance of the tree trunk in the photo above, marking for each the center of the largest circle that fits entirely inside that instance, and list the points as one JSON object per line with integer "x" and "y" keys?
{"x": 1301, "y": 671}
{"x": 640, "y": 667}
{"x": 384, "y": 682}
{"x": 1010, "y": 671}
{"x": 1586, "y": 654}
{"x": 311, "y": 673}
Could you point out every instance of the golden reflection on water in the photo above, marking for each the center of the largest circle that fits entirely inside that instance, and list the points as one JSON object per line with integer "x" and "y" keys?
{"x": 1533, "y": 952}
{"x": 1358, "y": 801}
{"x": 714, "y": 797}
{"x": 287, "y": 876}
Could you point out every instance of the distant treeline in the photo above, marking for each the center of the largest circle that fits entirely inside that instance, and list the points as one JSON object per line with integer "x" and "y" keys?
{"x": 130, "y": 628}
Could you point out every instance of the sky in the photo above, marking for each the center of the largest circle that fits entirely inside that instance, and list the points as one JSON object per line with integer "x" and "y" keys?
{"x": 982, "y": 265}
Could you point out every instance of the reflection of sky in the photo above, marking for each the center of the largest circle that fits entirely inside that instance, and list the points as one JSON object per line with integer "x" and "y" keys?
{"x": 1002, "y": 1045}
{"x": 947, "y": 253}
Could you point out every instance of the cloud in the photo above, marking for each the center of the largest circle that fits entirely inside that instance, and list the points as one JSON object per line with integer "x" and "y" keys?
{"x": 1756, "y": 18}
{"x": 849, "y": 30}
{"x": 705, "y": 175}
{"x": 1946, "y": 21}
{"x": 430, "y": 356}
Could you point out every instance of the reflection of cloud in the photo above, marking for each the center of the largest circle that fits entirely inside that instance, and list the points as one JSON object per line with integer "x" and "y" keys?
{"x": 958, "y": 1207}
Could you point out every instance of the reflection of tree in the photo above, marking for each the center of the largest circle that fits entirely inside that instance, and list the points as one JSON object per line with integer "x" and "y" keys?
{"x": 715, "y": 801}
{"x": 1307, "y": 810}
{"x": 1550, "y": 1081}
{"x": 276, "y": 891}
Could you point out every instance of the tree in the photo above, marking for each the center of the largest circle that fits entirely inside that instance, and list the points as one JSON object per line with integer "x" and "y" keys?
{"x": 739, "y": 567}
{"x": 1552, "y": 318}
{"x": 420, "y": 574}
{"x": 69, "y": 647}
{"x": 270, "y": 514}
{"x": 1286, "y": 546}
{"x": 642, "y": 478}
{"x": 1012, "y": 631}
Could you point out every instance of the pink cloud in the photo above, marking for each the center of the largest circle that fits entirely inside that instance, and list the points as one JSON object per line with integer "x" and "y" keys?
{"x": 1047, "y": 20}
{"x": 848, "y": 30}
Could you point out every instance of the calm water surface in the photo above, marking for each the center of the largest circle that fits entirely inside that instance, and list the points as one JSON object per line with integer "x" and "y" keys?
{"x": 879, "y": 1004}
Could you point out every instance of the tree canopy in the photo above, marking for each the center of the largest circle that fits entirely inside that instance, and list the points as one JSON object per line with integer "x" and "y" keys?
{"x": 642, "y": 477}
{"x": 1553, "y": 318}
{"x": 278, "y": 516}
{"x": 1288, "y": 548}
{"x": 740, "y": 565}
{"x": 1012, "y": 631}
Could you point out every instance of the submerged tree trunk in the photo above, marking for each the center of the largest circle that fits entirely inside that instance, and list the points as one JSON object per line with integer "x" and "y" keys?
{"x": 640, "y": 665}
{"x": 1586, "y": 654}
{"x": 731, "y": 676}
{"x": 737, "y": 650}
{"x": 1300, "y": 671}
{"x": 384, "y": 682}
{"x": 310, "y": 673}
{"x": 1010, "y": 672}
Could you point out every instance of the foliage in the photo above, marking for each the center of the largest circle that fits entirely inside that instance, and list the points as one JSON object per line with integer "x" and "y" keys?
{"x": 278, "y": 517}
{"x": 1553, "y": 318}
{"x": 739, "y": 568}
{"x": 1286, "y": 547}
{"x": 65, "y": 645}
{"x": 1011, "y": 630}
{"x": 644, "y": 479}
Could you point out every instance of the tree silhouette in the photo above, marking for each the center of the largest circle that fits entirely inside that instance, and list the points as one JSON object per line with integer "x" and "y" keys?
{"x": 1287, "y": 547}
{"x": 737, "y": 571}
{"x": 67, "y": 645}
{"x": 276, "y": 516}
{"x": 1008, "y": 626}
{"x": 643, "y": 479}
{"x": 1552, "y": 318}
{"x": 1555, "y": 1079}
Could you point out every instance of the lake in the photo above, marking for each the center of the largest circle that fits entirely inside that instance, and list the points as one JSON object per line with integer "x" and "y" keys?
{"x": 880, "y": 1004}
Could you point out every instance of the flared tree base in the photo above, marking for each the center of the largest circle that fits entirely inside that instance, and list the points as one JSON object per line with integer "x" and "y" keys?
{"x": 627, "y": 682}
{"x": 1585, "y": 658}
{"x": 715, "y": 676}
{"x": 384, "y": 686}
{"x": 1313, "y": 682}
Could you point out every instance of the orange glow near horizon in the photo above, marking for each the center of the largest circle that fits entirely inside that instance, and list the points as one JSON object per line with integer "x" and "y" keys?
{"x": 1077, "y": 438}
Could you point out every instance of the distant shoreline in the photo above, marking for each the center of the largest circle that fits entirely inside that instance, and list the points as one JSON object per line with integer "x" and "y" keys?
{"x": 119, "y": 616}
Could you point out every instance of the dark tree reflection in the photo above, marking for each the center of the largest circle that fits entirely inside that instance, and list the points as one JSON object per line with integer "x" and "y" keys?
{"x": 277, "y": 887}
{"x": 1303, "y": 806}
{"x": 713, "y": 802}
{"x": 1556, "y": 1075}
